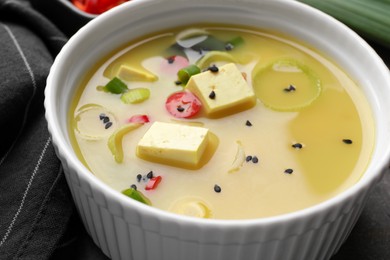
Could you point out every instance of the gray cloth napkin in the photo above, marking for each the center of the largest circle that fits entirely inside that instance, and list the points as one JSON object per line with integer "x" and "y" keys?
{"x": 35, "y": 203}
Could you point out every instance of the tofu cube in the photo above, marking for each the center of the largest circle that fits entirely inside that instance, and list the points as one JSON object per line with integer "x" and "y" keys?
{"x": 134, "y": 74}
{"x": 232, "y": 92}
{"x": 173, "y": 144}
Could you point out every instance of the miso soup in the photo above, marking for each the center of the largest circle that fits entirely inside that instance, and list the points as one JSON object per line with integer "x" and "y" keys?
{"x": 222, "y": 122}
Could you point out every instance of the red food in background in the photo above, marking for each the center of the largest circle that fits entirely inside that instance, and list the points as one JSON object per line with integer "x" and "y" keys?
{"x": 96, "y": 6}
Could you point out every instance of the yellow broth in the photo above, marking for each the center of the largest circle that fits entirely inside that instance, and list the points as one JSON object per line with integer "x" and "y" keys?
{"x": 285, "y": 179}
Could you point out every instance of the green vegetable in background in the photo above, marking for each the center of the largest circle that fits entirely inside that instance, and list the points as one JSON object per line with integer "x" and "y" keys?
{"x": 370, "y": 18}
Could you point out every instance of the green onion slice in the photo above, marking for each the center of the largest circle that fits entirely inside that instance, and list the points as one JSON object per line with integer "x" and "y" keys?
{"x": 136, "y": 95}
{"x": 136, "y": 195}
{"x": 116, "y": 86}
{"x": 186, "y": 73}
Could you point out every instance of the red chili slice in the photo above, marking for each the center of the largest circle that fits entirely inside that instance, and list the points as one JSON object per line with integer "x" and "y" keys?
{"x": 183, "y": 104}
{"x": 139, "y": 119}
{"x": 153, "y": 183}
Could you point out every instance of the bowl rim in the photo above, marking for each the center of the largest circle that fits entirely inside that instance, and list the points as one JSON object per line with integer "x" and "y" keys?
{"x": 68, "y": 157}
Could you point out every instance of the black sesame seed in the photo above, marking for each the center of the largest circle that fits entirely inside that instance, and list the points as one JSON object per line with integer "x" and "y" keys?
{"x": 229, "y": 46}
{"x": 347, "y": 141}
{"x": 133, "y": 186}
{"x": 255, "y": 159}
{"x": 217, "y": 188}
{"x": 149, "y": 175}
{"x": 248, "y": 123}
{"x": 178, "y": 82}
{"x": 171, "y": 59}
{"x": 139, "y": 177}
{"x": 213, "y": 68}
{"x": 288, "y": 171}
{"x": 108, "y": 125}
{"x": 102, "y": 116}
{"x": 290, "y": 88}
{"x": 297, "y": 146}
{"x": 212, "y": 94}
{"x": 106, "y": 119}
{"x": 249, "y": 158}
{"x": 180, "y": 109}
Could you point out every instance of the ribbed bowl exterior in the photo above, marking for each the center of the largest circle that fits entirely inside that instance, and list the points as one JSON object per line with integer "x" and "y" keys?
{"x": 123, "y": 233}
{"x": 125, "y": 229}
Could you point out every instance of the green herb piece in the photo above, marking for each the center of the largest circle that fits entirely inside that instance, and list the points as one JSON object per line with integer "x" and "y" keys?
{"x": 209, "y": 44}
{"x": 186, "y": 73}
{"x": 234, "y": 43}
{"x": 136, "y": 195}
{"x": 175, "y": 50}
{"x": 136, "y": 95}
{"x": 116, "y": 86}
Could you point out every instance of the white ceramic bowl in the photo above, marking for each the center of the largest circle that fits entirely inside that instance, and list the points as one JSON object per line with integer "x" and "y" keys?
{"x": 125, "y": 229}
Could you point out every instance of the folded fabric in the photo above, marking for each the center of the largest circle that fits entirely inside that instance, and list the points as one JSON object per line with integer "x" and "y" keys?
{"x": 35, "y": 203}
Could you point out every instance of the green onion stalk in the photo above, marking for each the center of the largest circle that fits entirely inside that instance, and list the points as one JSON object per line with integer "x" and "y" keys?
{"x": 369, "y": 18}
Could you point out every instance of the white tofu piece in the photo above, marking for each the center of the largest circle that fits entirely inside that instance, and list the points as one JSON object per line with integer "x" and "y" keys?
{"x": 173, "y": 144}
{"x": 134, "y": 74}
{"x": 232, "y": 92}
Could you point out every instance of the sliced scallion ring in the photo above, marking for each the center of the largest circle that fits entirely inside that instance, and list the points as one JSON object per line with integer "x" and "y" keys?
{"x": 186, "y": 73}
{"x": 135, "y": 95}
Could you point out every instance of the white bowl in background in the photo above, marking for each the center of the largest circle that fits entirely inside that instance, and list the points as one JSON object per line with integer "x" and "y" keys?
{"x": 126, "y": 229}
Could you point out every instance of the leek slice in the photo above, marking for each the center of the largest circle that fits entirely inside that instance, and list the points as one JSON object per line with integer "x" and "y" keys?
{"x": 115, "y": 140}
{"x": 286, "y": 85}
{"x": 192, "y": 207}
{"x": 213, "y": 57}
{"x": 90, "y": 124}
